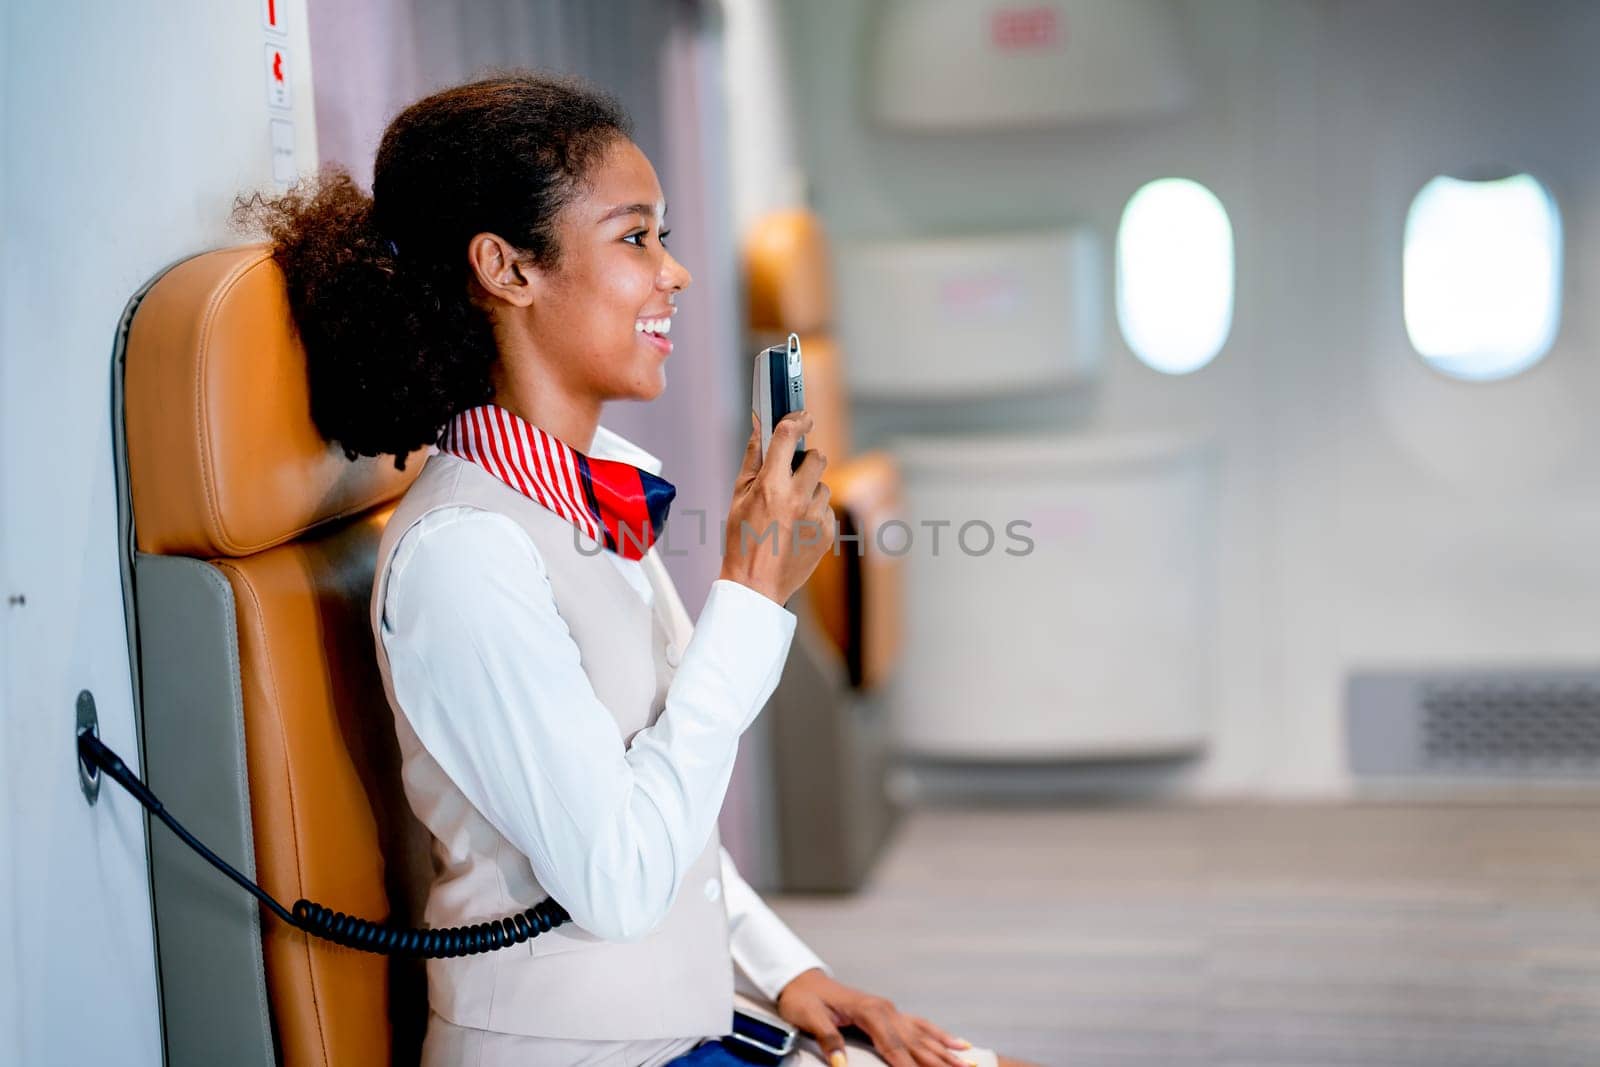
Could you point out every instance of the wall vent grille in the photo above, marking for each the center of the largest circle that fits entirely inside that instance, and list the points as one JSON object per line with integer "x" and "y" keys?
{"x": 1475, "y": 724}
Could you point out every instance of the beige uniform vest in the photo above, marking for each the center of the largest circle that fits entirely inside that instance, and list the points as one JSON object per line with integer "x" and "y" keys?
{"x": 675, "y": 982}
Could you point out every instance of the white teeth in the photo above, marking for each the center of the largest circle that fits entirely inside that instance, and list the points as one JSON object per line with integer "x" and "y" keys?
{"x": 656, "y": 326}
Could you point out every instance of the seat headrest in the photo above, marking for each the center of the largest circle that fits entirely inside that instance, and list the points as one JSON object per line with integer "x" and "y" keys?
{"x": 786, "y": 267}
{"x": 223, "y": 458}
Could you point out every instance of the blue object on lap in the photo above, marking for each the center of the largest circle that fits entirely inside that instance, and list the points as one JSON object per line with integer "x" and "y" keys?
{"x": 709, "y": 1054}
{"x": 757, "y": 1038}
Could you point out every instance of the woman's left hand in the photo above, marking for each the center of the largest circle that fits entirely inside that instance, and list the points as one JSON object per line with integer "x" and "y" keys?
{"x": 819, "y": 1006}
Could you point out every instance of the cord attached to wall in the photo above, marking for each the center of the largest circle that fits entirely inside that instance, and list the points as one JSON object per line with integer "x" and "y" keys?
{"x": 330, "y": 925}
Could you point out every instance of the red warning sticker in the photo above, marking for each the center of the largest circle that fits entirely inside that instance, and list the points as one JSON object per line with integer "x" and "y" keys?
{"x": 278, "y": 78}
{"x": 272, "y": 15}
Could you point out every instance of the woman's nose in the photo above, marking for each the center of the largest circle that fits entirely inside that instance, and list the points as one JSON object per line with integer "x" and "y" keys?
{"x": 674, "y": 275}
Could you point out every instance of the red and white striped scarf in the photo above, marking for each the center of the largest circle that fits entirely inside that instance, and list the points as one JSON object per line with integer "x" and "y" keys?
{"x": 615, "y": 503}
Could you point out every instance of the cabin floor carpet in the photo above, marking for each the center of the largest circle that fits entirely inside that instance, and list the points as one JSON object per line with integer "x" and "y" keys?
{"x": 1247, "y": 936}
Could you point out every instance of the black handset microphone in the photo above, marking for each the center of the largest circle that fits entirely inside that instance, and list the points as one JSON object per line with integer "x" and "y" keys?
{"x": 330, "y": 925}
{"x": 777, "y": 388}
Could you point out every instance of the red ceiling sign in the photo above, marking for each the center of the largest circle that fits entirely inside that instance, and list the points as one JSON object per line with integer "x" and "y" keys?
{"x": 1025, "y": 29}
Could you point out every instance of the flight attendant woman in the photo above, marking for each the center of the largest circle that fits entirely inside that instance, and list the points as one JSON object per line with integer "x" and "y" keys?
{"x": 560, "y": 735}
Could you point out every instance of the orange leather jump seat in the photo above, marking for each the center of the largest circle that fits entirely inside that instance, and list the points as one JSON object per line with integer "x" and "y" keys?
{"x": 264, "y": 721}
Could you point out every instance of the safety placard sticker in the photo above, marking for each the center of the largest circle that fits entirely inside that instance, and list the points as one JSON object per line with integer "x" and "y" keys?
{"x": 283, "y": 169}
{"x": 277, "y": 77}
{"x": 272, "y": 15}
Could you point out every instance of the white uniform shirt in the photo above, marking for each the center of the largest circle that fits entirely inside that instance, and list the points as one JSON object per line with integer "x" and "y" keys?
{"x": 541, "y": 757}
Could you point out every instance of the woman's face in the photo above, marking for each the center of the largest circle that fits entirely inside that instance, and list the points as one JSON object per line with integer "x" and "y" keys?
{"x": 602, "y": 317}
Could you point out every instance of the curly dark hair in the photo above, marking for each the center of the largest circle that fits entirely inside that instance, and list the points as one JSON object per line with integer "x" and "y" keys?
{"x": 379, "y": 285}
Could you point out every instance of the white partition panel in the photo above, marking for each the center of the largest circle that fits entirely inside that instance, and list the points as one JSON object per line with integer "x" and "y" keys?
{"x": 1083, "y": 629}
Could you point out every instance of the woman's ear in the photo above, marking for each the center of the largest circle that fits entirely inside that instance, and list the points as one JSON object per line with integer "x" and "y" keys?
{"x": 495, "y": 267}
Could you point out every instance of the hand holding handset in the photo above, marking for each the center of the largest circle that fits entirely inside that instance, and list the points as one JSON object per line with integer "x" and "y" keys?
{"x": 780, "y": 522}
{"x": 777, "y": 389}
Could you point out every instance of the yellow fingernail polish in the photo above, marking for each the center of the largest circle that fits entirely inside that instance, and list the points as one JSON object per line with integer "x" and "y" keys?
{"x": 838, "y": 1060}
{"x": 964, "y": 1042}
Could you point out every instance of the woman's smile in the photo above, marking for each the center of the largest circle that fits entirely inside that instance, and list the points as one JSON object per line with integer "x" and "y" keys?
{"x": 654, "y": 330}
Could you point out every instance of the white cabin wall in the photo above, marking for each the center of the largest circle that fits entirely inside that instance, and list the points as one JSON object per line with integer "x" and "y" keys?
{"x": 767, "y": 173}
{"x": 1467, "y": 514}
{"x": 127, "y": 131}
{"x": 10, "y": 890}
{"x": 1371, "y": 512}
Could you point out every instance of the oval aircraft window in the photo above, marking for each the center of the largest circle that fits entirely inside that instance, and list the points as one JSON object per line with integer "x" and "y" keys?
{"x": 1482, "y": 275}
{"x": 1175, "y": 275}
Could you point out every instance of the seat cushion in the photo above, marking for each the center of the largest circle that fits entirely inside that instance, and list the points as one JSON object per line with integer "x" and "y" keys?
{"x": 325, "y": 795}
{"x": 223, "y": 458}
{"x": 856, "y": 591}
{"x": 788, "y": 277}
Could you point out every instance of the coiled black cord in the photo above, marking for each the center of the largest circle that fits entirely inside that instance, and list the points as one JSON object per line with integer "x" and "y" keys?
{"x": 364, "y": 934}
{"x": 347, "y": 930}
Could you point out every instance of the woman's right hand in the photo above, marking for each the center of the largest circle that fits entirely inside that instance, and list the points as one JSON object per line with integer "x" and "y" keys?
{"x": 779, "y": 524}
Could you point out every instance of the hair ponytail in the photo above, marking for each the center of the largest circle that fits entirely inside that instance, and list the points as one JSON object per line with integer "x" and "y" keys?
{"x": 391, "y": 355}
{"x": 381, "y": 293}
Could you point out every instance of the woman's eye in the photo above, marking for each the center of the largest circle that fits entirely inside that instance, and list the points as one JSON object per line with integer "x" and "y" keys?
{"x": 645, "y": 233}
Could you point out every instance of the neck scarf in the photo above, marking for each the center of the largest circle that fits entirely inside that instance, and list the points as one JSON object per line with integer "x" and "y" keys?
{"x": 614, "y": 503}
